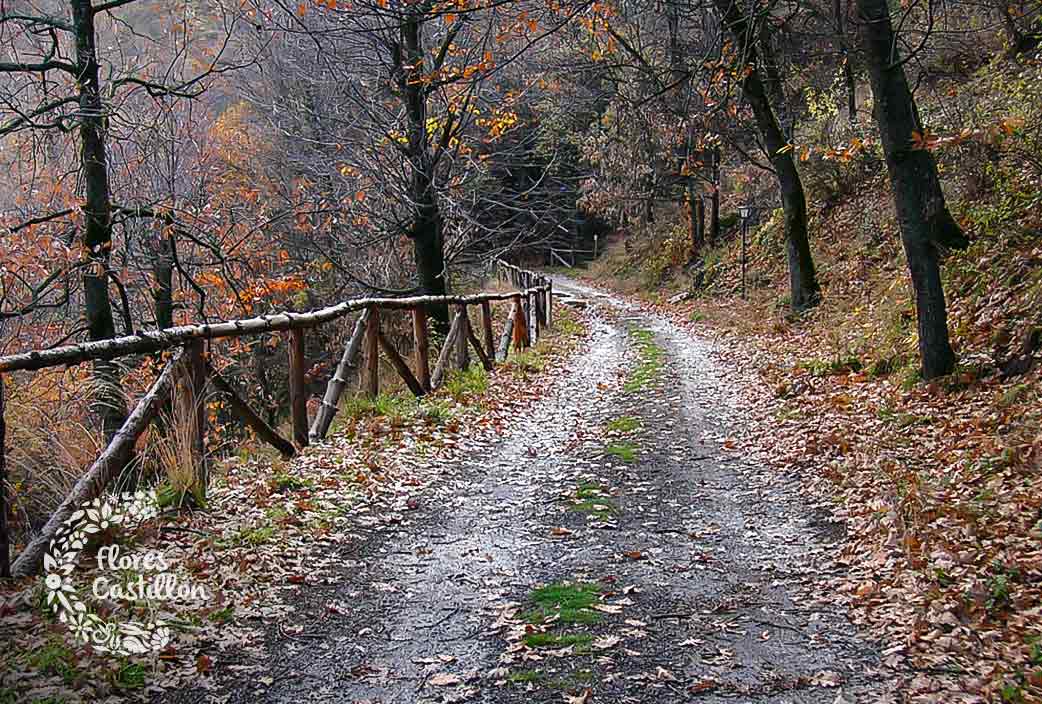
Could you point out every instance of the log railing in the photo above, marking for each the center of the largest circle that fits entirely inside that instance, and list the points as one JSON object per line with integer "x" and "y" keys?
{"x": 188, "y": 373}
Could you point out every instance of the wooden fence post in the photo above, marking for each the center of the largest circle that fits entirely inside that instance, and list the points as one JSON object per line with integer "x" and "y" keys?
{"x": 520, "y": 330}
{"x": 248, "y": 416}
{"x": 195, "y": 404}
{"x": 486, "y": 326}
{"x": 549, "y": 303}
{"x": 5, "y": 537}
{"x": 446, "y": 351}
{"x": 113, "y": 459}
{"x": 400, "y": 366}
{"x": 298, "y": 398}
{"x": 423, "y": 347}
{"x": 487, "y": 362}
{"x": 372, "y": 352}
{"x": 533, "y": 318}
{"x": 504, "y": 337}
{"x": 463, "y": 341}
{"x": 338, "y": 382}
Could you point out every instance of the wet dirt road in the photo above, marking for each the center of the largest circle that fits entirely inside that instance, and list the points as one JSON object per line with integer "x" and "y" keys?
{"x": 622, "y": 481}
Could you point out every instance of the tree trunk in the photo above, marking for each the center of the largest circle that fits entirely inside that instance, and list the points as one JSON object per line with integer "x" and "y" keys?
{"x": 922, "y": 212}
{"x": 97, "y": 236}
{"x": 803, "y": 283}
{"x": 427, "y": 226}
{"x": 848, "y": 70}
{"x": 5, "y": 539}
{"x": 163, "y": 271}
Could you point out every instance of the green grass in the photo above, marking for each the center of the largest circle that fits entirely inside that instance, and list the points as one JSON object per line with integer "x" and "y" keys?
{"x": 530, "y": 360}
{"x": 841, "y": 364}
{"x": 650, "y": 362}
{"x": 581, "y": 641}
{"x": 437, "y": 410}
{"x": 625, "y": 451}
{"x": 394, "y": 407}
{"x": 463, "y": 384}
{"x": 54, "y": 658}
{"x": 594, "y": 500}
{"x": 256, "y": 536}
{"x": 567, "y": 326}
{"x": 130, "y": 676}
{"x": 623, "y": 424}
{"x": 525, "y": 676}
{"x": 284, "y": 482}
{"x": 570, "y": 602}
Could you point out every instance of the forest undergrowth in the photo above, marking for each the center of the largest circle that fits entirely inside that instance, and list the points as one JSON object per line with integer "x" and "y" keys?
{"x": 271, "y": 527}
{"x": 939, "y": 484}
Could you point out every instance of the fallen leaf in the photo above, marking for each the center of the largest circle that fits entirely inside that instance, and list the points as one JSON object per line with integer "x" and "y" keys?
{"x": 203, "y": 664}
{"x": 664, "y": 674}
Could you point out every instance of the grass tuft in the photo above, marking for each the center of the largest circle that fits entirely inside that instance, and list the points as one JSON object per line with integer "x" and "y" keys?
{"x": 624, "y": 424}
{"x": 581, "y": 641}
{"x": 625, "y": 451}
{"x": 570, "y": 602}
{"x": 650, "y": 362}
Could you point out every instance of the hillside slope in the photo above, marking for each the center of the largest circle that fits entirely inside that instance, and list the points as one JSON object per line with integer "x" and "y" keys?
{"x": 940, "y": 484}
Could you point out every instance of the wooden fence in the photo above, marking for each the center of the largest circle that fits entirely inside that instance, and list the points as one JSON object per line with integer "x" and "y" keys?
{"x": 530, "y": 312}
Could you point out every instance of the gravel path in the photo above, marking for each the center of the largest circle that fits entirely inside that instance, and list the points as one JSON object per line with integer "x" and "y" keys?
{"x": 701, "y": 577}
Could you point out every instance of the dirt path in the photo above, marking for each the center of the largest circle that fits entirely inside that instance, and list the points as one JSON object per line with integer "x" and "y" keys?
{"x": 620, "y": 489}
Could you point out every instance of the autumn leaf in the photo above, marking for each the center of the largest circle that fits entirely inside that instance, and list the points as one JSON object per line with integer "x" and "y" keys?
{"x": 583, "y": 698}
{"x": 203, "y": 664}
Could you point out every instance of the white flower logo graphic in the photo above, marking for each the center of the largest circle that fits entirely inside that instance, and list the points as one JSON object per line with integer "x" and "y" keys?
{"x": 97, "y": 516}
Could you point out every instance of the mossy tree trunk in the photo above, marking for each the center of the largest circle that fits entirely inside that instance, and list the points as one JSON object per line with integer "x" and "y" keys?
{"x": 803, "y": 282}
{"x": 926, "y": 225}
{"x": 97, "y": 235}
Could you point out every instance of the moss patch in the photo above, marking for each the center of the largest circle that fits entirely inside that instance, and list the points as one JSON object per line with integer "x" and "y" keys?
{"x": 625, "y": 451}
{"x": 623, "y": 424}
{"x": 594, "y": 500}
{"x": 569, "y": 602}
{"x": 650, "y": 362}
{"x": 525, "y": 676}
{"x": 580, "y": 641}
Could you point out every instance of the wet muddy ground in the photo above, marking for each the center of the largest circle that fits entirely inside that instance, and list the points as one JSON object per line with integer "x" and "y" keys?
{"x": 622, "y": 483}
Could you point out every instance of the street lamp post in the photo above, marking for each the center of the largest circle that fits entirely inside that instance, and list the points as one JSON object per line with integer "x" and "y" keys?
{"x": 744, "y": 212}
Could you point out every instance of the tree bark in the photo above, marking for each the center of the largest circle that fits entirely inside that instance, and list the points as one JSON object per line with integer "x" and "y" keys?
{"x": 5, "y": 538}
{"x": 803, "y": 283}
{"x": 298, "y": 390}
{"x": 427, "y": 231}
{"x": 97, "y": 235}
{"x": 163, "y": 271}
{"x": 338, "y": 382}
{"x": 926, "y": 224}
{"x": 848, "y": 69}
{"x": 248, "y": 416}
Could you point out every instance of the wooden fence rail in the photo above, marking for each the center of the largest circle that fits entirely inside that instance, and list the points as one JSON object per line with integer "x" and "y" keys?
{"x": 188, "y": 373}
